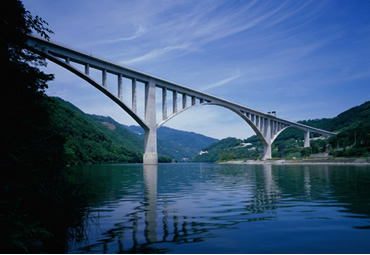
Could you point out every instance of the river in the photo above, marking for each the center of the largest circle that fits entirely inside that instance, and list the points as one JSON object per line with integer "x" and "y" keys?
{"x": 210, "y": 208}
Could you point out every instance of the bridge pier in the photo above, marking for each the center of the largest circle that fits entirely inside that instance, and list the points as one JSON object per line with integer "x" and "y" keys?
{"x": 267, "y": 152}
{"x": 150, "y": 153}
{"x": 267, "y": 141}
{"x": 306, "y": 139}
{"x": 150, "y": 144}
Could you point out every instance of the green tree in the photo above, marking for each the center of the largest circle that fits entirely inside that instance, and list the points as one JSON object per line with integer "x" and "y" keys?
{"x": 33, "y": 188}
{"x": 305, "y": 152}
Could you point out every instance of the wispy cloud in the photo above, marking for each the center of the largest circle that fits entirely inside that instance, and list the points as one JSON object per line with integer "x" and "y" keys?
{"x": 156, "y": 53}
{"x": 227, "y": 80}
{"x": 199, "y": 23}
{"x": 140, "y": 31}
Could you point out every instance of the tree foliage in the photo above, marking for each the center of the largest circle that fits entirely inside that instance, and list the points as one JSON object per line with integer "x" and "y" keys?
{"x": 88, "y": 141}
{"x": 34, "y": 190}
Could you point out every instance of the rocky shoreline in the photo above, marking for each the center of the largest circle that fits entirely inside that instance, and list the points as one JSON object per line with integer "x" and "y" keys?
{"x": 308, "y": 161}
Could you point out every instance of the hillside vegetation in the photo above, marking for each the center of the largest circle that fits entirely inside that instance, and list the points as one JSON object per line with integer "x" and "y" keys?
{"x": 91, "y": 139}
{"x": 352, "y": 140}
{"x": 353, "y": 127}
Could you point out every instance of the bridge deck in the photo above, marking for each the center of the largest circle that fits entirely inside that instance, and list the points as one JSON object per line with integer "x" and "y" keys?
{"x": 266, "y": 126}
{"x": 69, "y": 54}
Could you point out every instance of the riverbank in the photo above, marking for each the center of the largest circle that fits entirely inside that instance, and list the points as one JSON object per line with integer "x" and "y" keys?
{"x": 308, "y": 161}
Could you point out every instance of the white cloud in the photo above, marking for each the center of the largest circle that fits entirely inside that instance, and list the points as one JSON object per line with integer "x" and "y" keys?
{"x": 140, "y": 31}
{"x": 156, "y": 53}
{"x": 202, "y": 22}
{"x": 227, "y": 80}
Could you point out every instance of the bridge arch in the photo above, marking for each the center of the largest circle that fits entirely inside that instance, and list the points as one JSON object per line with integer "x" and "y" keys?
{"x": 269, "y": 130}
{"x": 260, "y": 131}
{"x": 234, "y": 110}
{"x": 306, "y": 132}
{"x": 246, "y": 119}
{"x": 103, "y": 89}
{"x": 238, "y": 113}
{"x": 266, "y": 126}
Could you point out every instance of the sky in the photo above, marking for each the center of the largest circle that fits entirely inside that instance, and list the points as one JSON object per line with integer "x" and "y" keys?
{"x": 303, "y": 59}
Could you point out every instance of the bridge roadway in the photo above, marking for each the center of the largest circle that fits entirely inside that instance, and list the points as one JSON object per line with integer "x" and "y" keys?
{"x": 266, "y": 126}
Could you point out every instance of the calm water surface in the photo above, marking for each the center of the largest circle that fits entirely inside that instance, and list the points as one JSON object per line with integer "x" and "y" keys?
{"x": 209, "y": 208}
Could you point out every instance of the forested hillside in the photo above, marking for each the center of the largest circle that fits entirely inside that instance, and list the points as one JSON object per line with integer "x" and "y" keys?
{"x": 352, "y": 140}
{"x": 353, "y": 127}
{"x": 358, "y": 116}
{"x": 100, "y": 139}
{"x": 88, "y": 141}
{"x": 230, "y": 148}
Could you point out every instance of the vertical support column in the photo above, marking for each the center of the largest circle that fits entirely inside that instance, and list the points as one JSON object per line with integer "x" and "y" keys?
{"x": 87, "y": 69}
{"x": 164, "y": 103}
{"x": 193, "y": 102}
{"x": 275, "y": 128}
{"x": 262, "y": 123}
{"x": 68, "y": 60}
{"x": 120, "y": 87}
{"x": 134, "y": 107}
{"x": 272, "y": 128}
{"x": 307, "y": 139}
{"x": 104, "y": 78}
{"x": 150, "y": 146}
{"x": 267, "y": 143}
{"x": 174, "y": 100}
{"x": 183, "y": 101}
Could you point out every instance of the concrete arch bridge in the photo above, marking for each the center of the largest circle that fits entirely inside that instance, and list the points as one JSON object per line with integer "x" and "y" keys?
{"x": 266, "y": 126}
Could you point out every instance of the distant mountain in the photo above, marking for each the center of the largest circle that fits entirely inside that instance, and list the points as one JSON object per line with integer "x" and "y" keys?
{"x": 173, "y": 143}
{"x": 100, "y": 139}
{"x": 177, "y": 144}
{"x": 353, "y": 139}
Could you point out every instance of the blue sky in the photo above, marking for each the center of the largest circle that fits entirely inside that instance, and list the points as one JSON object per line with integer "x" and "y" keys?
{"x": 302, "y": 59}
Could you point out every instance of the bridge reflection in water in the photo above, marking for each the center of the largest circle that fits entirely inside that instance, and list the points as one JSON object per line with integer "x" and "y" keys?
{"x": 150, "y": 180}
{"x": 167, "y": 224}
{"x": 174, "y": 227}
{"x": 155, "y": 222}
{"x": 176, "y": 207}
